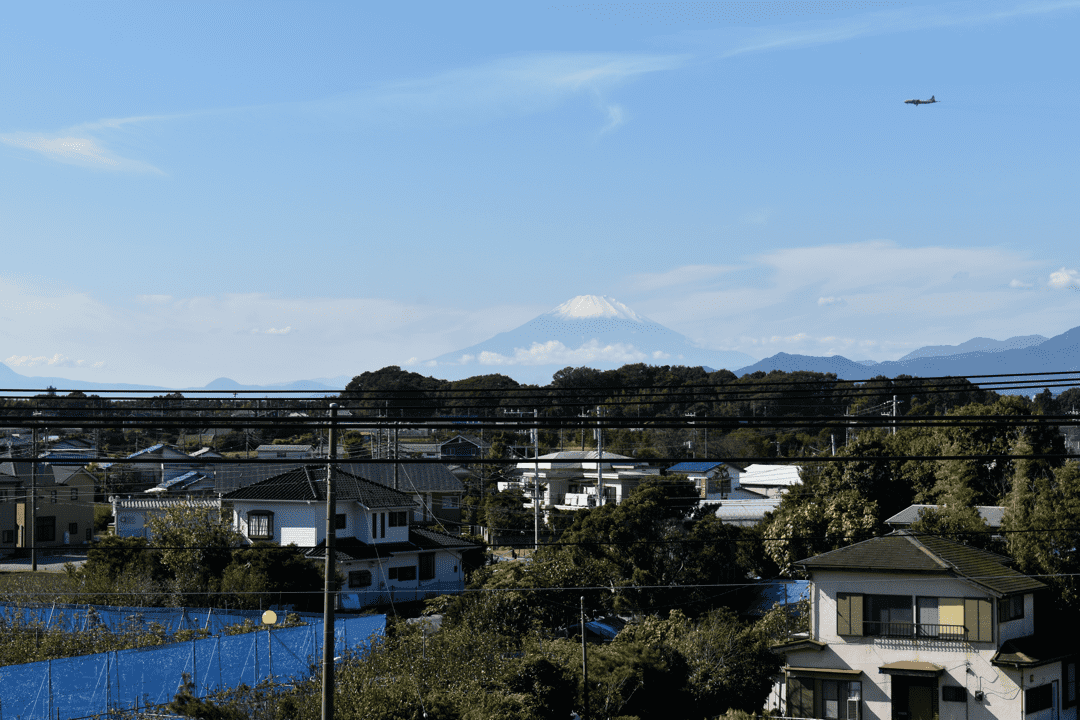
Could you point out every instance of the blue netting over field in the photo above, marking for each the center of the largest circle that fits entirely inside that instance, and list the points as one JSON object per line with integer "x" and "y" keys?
{"x": 95, "y": 684}
{"x": 118, "y": 619}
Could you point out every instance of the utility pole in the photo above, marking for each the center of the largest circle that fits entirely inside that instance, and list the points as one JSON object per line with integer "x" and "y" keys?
{"x": 599, "y": 463}
{"x": 536, "y": 481}
{"x": 894, "y": 414}
{"x": 31, "y": 524}
{"x": 329, "y": 572}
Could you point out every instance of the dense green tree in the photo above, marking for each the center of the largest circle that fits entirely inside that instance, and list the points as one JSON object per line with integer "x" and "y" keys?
{"x": 196, "y": 544}
{"x": 1042, "y": 530}
{"x": 265, "y": 573}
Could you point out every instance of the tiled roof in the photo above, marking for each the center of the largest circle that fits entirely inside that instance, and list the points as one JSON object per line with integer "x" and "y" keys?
{"x": 412, "y": 477}
{"x": 1035, "y": 650}
{"x": 429, "y": 539}
{"x": 902, "y": 551}
{"x": 419, "y": 539}
{"x": 309, "y": 483}
{"x": 992, "y": 514}
{"x": 284, "y": 448}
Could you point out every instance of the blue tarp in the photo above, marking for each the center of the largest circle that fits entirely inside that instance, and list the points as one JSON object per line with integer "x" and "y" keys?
{"x": 118, "y": 618}
{"x": 95, "y": 684}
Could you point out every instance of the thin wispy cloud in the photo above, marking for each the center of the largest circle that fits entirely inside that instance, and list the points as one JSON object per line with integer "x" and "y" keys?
{"x": 792, "y": 36}
{"x": 81, "y": 149}
{"x": 680, "y": 276}
{"x": 57, "y": 360}
{"x": 522, "y": 84}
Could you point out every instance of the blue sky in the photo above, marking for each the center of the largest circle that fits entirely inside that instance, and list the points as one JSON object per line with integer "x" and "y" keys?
{"x": 272, "y": 192}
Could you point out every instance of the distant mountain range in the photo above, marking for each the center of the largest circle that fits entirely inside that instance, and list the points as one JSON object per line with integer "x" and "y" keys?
{"x": 1026, "y": 354}
{"x": 603, "y": 333}
{"x": 11, "y": 380}
{"x": 588, "y": 330}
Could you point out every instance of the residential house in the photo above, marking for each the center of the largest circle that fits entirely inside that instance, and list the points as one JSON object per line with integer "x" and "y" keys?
{"x": 460, "y": 448}
{"x": 382, "y": 555}
{"x": 65, "y": 504}
{"x": 297, "y": 452}
{"x": 436, "y": 490}
{"x": 571, "y": 479}
{"x": 714, "y": 479}
{"x": 769, "y": 480}
{"x": 131, "y": 514}
{"x": 916, "y": 627}
{"x": 150, "y": 467}
{"x": 992, "y": 514}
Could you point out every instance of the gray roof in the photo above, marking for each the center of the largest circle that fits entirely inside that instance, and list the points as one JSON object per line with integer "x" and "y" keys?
{"x": 412, "y": 477}
{"x": 992, "y": 514}
{"x": 285, "y": 448}
{"x": 309, "y": 483}
{"x": 904, "y": 551}
{"x": 420, "y": 538}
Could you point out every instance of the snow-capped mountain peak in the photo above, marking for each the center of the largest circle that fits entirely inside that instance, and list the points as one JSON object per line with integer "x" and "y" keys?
{"x": 588, "y": 307}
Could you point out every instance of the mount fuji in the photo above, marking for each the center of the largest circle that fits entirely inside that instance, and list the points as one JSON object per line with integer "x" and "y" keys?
{"x": 588, "y": 330}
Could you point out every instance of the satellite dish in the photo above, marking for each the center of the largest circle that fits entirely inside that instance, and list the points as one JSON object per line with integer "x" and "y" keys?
{"x": 269, "y": 617}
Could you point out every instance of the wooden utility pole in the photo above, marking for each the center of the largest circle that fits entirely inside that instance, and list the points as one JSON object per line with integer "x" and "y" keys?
{"x": 330, "y": 573}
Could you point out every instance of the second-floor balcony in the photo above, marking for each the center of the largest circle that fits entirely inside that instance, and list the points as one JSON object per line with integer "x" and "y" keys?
{"x": 927, "y": 631}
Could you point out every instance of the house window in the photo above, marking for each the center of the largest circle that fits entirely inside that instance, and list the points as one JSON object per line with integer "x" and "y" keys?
{"x": 340, "y": 521}
{"x": 45, "y": 528}
{"x": 953, "y": 693}
{"x": 382, "y": 525}
{"x": 74, "y": 493}
{"x": 360, "y": 578}
{"x": 73, "y": 530}
{"x": 261, "y": 524}
{"x": 427, "y": 566}
{"x": 1038, "y": 699}
{"x": 89, "y": 534}
{"x": 3, "y": 495}
{"x": 374, "y": 525}
{"x": 888, "y": 615}
{"x": 840, "y": 699}
{"x": 399, "y": 518}
{"x": 1010, "y": 608}
{"x": 811, "y": 697}
{"x": 1069, "y": 689}
{"x": 9, "y": 536}
{"x": 904, "y": 616}
{"x": 403, "y": 573}
{"x": 450, "y": 502}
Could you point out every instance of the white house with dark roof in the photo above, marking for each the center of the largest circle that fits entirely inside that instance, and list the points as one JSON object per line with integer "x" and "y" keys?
{"x": 383, "y": 556}
{"x": 917, "y": 627}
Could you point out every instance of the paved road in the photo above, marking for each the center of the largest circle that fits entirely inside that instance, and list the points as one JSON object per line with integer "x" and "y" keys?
{"x": 46, "y": 562}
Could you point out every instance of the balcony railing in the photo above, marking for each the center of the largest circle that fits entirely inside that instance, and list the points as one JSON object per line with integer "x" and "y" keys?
{"x": 914, "y": 630}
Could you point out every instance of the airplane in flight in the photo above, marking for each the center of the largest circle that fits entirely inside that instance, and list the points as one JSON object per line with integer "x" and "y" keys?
{"x": 917, "y": 103}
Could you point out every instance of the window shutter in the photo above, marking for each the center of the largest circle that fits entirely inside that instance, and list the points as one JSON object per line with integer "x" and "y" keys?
{"x": 843, "y": 614}
{"x": 977, "y": 620}
{"x": 986, "y": 628}
{"x": 849, "y": 614}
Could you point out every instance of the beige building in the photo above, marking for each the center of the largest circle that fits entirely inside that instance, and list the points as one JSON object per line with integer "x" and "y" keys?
{"x": 65, "y": 505}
